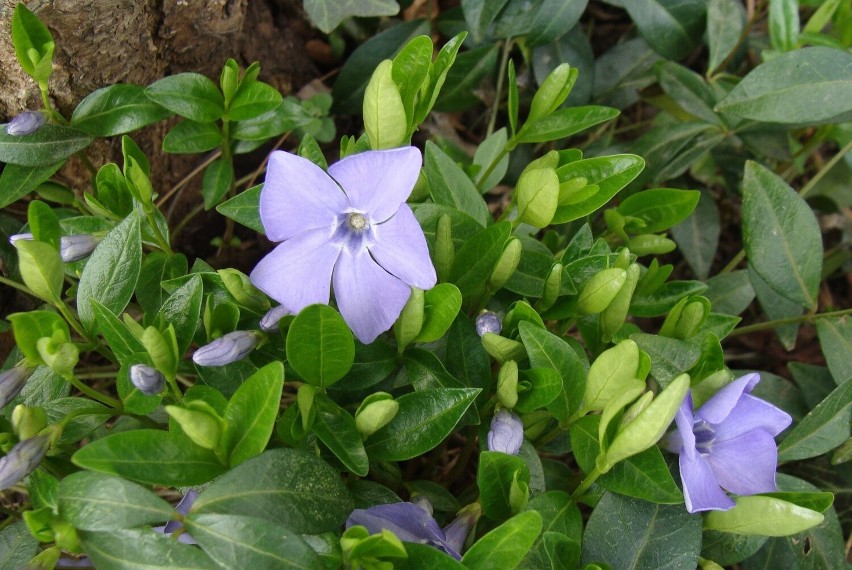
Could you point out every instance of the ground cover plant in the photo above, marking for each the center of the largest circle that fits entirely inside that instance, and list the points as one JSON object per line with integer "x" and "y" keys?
{"x": 544, "y": 284}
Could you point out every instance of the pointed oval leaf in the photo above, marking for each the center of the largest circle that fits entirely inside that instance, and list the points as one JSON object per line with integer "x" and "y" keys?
{"x": 141, "y": 549}
{"x": 251, "y": 412}
{"x": 190, "y": 95}
{"x": 49, "y": 145}
{"x": 450, "y": 186}
{"x": 320, "y": 346}
{"x": 505, "y": 546}
{"x": 609, "y": 173}
{"x": 335, "y": 427}
{"x": 116, "y": 110}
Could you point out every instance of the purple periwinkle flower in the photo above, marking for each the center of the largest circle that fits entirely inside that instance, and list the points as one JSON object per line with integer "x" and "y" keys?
{"x": 269, "y": 321}
{"x": 728, "y": 444}
{"x": 22, "y": 459}
{"x": 407, "y": 521}
{"x": 12, "y": 381}
{"x": 507, "y": 433}
{"x": 26, "y": 123}
{"x": 71, "y": 248}
{"x": 488, "y": 322}
{"x": 349, "y": 226}
{"x": 149, "y": 381}
{"x": 183, "y": 508}
{"x": 226, "y": 349}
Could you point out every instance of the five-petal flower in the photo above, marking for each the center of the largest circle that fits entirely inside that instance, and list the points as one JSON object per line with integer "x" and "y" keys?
{"x": 727, "y": 444}
{"x": 349, "y": 226}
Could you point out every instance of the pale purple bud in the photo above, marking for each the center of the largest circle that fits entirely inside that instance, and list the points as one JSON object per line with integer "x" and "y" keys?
{"x": 226, "y": 349}
{"x": 149, "y": 381}
{"x": 76, "y": 247}
{"x": 12, "y": 382}
{"x": 507, "y": 433}
{"x": 456, "y": 532}
{"x": 269, "y": 322}
{"x": 488, "y": 322}
{"x": 182, "y": 507}
{"x": 22, "y": 459}
{"x": 18, "y": 237}
{"x": 26, "y": 123}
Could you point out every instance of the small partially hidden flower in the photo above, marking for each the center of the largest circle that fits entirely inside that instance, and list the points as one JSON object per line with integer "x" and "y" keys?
{"x": 728, "y": 444}
{"x": 226, "y": 349}
{"x": 488, "y": 322}
{"x": 269, "y": 321}
{"x": 26, "y": 123}
{"x": 183, "y": 508}
{"x": 149, "y": 381}
{"x": 12, "y": 381}
{"x": 407, "y": 521}
{"x": 507, "y": 433}
{"x": 349, "y": 226}
{"x": 22, "y": 459}
{"x": 71, "y": 248}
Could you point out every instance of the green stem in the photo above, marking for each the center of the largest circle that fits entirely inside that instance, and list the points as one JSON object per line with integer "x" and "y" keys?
{"x": 734, "y": 262}
{"x": 587, "y": 482}
{"x": 807, "y": 188}
{"x": 161, "y": 240}
{"x": 19, "y": 286}
{"x": 510, "y": 144}
{"x": 45, "y": 100}
{"x": 89, "y": 412}
{"x": 94, "y": 394}
{"x": 501, "y": 75}
{"x": 72, "y": 320}
{"x": 788, "y": 321}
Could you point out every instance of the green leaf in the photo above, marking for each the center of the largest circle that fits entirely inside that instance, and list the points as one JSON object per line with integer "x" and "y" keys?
{"x": 112, "y": 270}
{"x": 660, "y": 208}
{"x": 621, "y": 70}
{"x": 17, "y": 181}
{"x": 487, "y": 152}
{"x": 725, "y": 21}
{"x": 290, "y": 487}
{"x": 235, "y": 541}
{"x": 565, "y": 122}
{"x": 189, "y": 95}
{"x": 348, "y": 90}
{"x": 384, "y": 113}
{"x": 426, "y": 557}
{"x": 141, "y": 549}
{"x": 327, "y": 14}
{"x": 776, "y": 306}
{"x": 495, "y": 474}
{"x": 781, "y": 236}
{"x": 150, "y": 456}
{"x": 28, "y": 33}
{"x": 189, "y": 137}
{"x": 156, "y": 268}
{"x": 253, "y": 98}
{"x": 411, "y": 70}
{"x": 552, "y": 19}
{"x": 121, "y": 341}
{"x": 464, "y": 77}
{"x": 546, "y": 350}
{"x": 424, "y": 419}
{"x": 545, "y": 386}
{"x": 441, "y": 305}
{"x": 823, "y": 429}
{"x": 320, "y": 346}
{"x": 94, "y": 501}
{"x": 783, "y": 24}
{"x": 561, "y": 519}
{"x": 182, "y": 310}
{"x": 671, "y": 27}
{"x": 697, "y": 237}
{"x": 450, "y": 186}
{"x": 806, "y": 86}
{"x": 244, "y": 208}
{"x": 218, "y": 179}
{"x": 49, "y": 145}
{"x": 835, "y": 340}
{"x": 688, "y": 89}
{"x": 609, "y": 173}
{"x": 335, "y": 427}
{"x": 116, "y": 110}
{"x": 287, "y": 116}
{"x": 670, "y": 357}
{"x": 438, "y": 75}
{"x": 41, "y": 269}
{"x": 505, "y": 546}
{"x": 251, "y": 412}
{"x": 642, "y": 476}
{"x": 476, "y": 259}
{"x": 17, "y": 546}
{"x": 628, "y": 533}
{"x": 662, "y": 300}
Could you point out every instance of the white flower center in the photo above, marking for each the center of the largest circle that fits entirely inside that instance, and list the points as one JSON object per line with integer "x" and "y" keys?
{"x": 356, "y": 221}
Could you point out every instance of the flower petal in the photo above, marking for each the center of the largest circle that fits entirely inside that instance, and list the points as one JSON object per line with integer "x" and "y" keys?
{"x": 752, "y": 413}
{"x": 745, "y": 465}
{"x": 297, "y": 273}
{"x": 378, "y": 181}
{"x": 700, "y": 489}
{"x": 684, "y": 420}
{"x": 369, "y": 298}
{"x": 407, "y": 521}
{"x": 297, "y": 195}
{"x": 400, "y": 248}
{"x": 717, "y": 408}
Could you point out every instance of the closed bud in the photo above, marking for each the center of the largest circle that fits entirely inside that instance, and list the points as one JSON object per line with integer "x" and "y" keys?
{"x": 238, "y": 285}
{"x": 58, "y": 354}
{"x": 12, "y": 381}
{"x": 614, "y": 371}
{"x": 502, "y": 348}
{"x": 507, "y": 384}
{"x": 410, "y": 321}
{"x": 538, "y": 194}
{"x": 763, "y": 516}
{"x": 519, "y": 494}
{"x": 552, "y": 287}
{"x": 600, "y": 290}
{"x": 226, "y": 349}
{"x": 650, "y": 244}
{"x": 269, "y": 322}
{"x": 162, "y": 347}
{"x": 488, "y": 322}
{"x": 14, "y": 238}
{"x": 76, "y": 247}
{"x": 552, "y": 92}
{"x": 28, "y": 421}
{"x": 26, "y": 123}
{"x": 384, "y": 113}
{"x": 375, "y": 412}
{"x": 457, "y": 531}
{"x": 507, "y": 433}
{"x": 445, "y": 252}
{"x": 616, "y": 312}
{"x": 685, "y": 318}
{"x": 200, "y": 422}
{"x": 148, "y": 380}
{"x": 22, "y": 459}
{"x": 507, "y": 264}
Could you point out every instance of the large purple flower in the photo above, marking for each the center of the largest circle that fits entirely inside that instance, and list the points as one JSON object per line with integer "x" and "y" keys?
{"x": 350, "y": 226}
{"x": 727, "y": 444}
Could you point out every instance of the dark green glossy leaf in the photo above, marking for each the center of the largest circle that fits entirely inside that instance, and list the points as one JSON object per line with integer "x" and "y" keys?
{"x": 115, "y": 110}
{"x": 823, "y": 429}
{"x": 253, "y": 98}
{"x": 609, "y": 173}
{"x": 672, "y": 27}
{"x": 182, "y": 310}
{"x": 505, "y": 546}
{"x": 659, "y": 209}
{"x": 669, "y": 357}
{"x": 320, "y": 346}
{"x": 190, "y": 95}
{"x": 287, "y": 116}
{"x": 464, "y": 76}
{"x": 290, "y": 487}
{"x": 552, "y": 19}
{"x": 189, "y": 137}
{"x": 546, "y": 350}
{"x": 335, "y": 427}
{"x": 426, "y": 557}
{"x": 688, "y": 90}
{"x": 562, "y": 531}
{"x": 835, "y": 340}
{"x": 441, "y": 305}
{"x": 660, "y": 301}
{"x": 565, "y": 122}
{"x": 327, "y": 14}
{"x": 48, "y": 146}
{"x": 251, "y": 412}
{"x": 218, "y": 179}
{"x": 697, "y": 236}
{"x": 17, "y": 181}
{"x": 476, "y": 259}
{"x": 141, "y": 549}
{"x": 17, "y": 546}
{"x": 450, "y": 186}
{"x": 725, "y": 21}
{"x": 495, "y": 474}
{"x": 244, "y": 208}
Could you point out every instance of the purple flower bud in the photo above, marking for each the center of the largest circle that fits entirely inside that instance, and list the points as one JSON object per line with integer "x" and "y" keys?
{"x": 22, "y": 459}
{"x": 488, "y": 322}
{"x": 182, "y": 507}
{"x": 12, "y": 382}
{"x": 226, "y": 349}
{"x": 17, "y": 237}
{"x": 148, "y": 380}
{"x": 507, "y": 433}
{"x": 407, "y": 521}
{"x": 26, "y": 123}
{"x": 269, "y": 322}
{"x": 456, "y": 532}
{"x": 76, "y": 247}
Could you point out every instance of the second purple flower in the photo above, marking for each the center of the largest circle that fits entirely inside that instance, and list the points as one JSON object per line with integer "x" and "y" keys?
{"x": 349, "y": 226}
